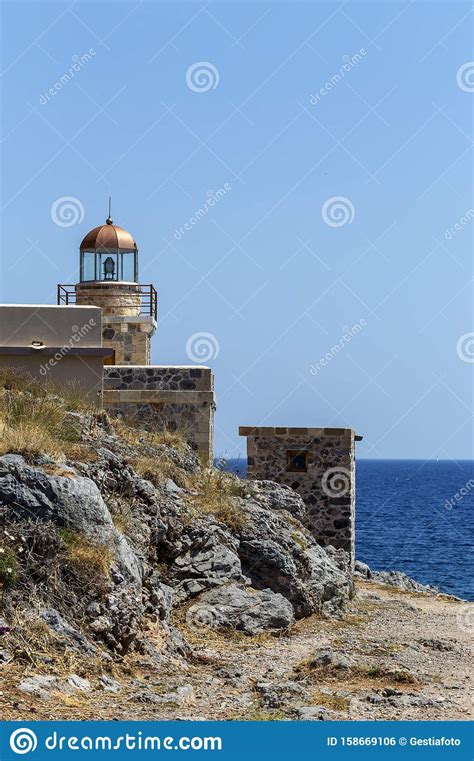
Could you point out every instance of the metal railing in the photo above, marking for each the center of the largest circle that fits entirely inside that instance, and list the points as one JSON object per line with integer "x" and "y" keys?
{"x": 148, "y": 296}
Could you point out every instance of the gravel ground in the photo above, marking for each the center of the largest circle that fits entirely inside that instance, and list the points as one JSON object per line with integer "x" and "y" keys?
{"x": 395, "y": 655}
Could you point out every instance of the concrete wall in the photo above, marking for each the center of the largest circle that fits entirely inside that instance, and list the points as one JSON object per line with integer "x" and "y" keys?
{"x": 20, "y": 324}
{"x": 161, "y": 397}
{"x": 71, "y": 345}
{"x": 327, "y": 486}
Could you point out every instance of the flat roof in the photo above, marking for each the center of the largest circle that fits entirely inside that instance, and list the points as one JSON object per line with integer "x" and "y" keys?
{"x": 249, "y": 430}
{"x": 50, "y": 306}
{"x": 161, "y": 367}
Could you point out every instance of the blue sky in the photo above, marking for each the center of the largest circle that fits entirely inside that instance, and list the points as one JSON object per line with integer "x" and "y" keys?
{"x": 274, "y": 279}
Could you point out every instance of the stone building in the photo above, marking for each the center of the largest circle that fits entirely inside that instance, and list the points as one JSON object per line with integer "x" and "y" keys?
{"x": 319, "y": 464}
{"x": 160, "y": 397}
{"x": 157, "y": 397}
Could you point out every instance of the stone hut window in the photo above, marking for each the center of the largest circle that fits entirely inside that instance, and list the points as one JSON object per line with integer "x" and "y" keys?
{"x": 296, "y": 461}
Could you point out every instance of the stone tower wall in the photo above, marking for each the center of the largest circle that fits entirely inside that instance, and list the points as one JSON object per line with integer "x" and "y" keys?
{"x": 129, "y": 337}
{"x": 166, "y": 398}
{"x": 112, "y": 298}
{"x": 124, "y": 329}
{"x": 328, "y": 485}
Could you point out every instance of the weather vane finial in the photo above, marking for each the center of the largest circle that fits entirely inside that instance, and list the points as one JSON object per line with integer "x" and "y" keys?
{"x": 109, "y": 218}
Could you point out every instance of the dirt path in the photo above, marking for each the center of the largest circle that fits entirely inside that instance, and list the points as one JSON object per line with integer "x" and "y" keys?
{"x": 395, "y": 655}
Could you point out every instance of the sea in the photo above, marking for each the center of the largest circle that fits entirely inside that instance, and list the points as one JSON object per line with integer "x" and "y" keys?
{"x": 414, "y": 516}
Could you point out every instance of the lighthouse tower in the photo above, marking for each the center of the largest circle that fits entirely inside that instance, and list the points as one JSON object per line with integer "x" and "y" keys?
{"x": 109, "y": 279}
{"x": 152, "y": 397}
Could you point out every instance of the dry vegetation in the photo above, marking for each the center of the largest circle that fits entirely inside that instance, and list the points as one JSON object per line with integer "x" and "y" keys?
{"x": 311, "y": 668}
{"x": 158, "y": 468}
{"x": 214, "y": 491}
{"x": 36, "y": 418}
{"x": 137, "y": 437}
{"x": 89, "y": 562}
{"x": 331, "y": 700}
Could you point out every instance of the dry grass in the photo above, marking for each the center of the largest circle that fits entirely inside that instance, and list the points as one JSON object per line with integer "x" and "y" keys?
{"x": 29, "y": 440}
{"x": 257, "y": 714}
{"x": 310, "y": 667}
{"x": 350, "y": 620}
{"x": 137, "y": 437}
{"x": 35, "y": 648}
{"x": 158, "y": 468}
{"x": 214, "y": 493}
{"x": 330, "y": 700}
{"x": 123, "y": 518}
{"x": 57, "y": 470}
{"x": 89, "y": 562}
{"x": 392, "y": 675}
{"x": 36, "y": 418}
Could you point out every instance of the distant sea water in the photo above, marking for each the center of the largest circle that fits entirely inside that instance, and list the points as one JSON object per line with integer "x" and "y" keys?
{"x": 416, "y": 517}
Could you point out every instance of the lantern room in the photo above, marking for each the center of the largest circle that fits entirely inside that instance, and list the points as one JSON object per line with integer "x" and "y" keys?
{"x": 108, "y": 254}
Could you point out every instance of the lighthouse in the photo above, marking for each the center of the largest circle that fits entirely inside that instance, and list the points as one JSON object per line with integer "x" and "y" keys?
{"x": 153, "y": 397}
{"x": 108, "y": 278}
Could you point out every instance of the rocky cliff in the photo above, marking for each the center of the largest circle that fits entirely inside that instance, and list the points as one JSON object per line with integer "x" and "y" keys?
{"x": 128, "y": 528}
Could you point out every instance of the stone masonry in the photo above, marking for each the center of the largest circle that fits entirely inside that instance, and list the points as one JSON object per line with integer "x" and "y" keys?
{"x": 166, "y": 398}
{"x": 319, "y": 464}
{"x": 129, "y": 337}
{"x": 124, "y": 328}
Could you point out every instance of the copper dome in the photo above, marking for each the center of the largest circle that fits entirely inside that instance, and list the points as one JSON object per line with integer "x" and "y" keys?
{"x": 108, "y": 237}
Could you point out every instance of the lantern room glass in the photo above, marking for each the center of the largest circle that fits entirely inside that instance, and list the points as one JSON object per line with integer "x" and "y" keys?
{"x": 109, "y": 265}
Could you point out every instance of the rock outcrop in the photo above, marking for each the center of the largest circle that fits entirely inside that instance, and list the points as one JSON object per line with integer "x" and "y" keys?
{"x": 109, "y": 550}
{"x": 396, "y": 579}
{"x": 234, "y": 607}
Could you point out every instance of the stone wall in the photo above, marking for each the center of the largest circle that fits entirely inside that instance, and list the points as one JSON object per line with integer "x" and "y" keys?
{"x": 124, "y": 329}
{"x": 129, "y": 337}
{"x": 327, "y": 486}
{"x": 166, "y": 398}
